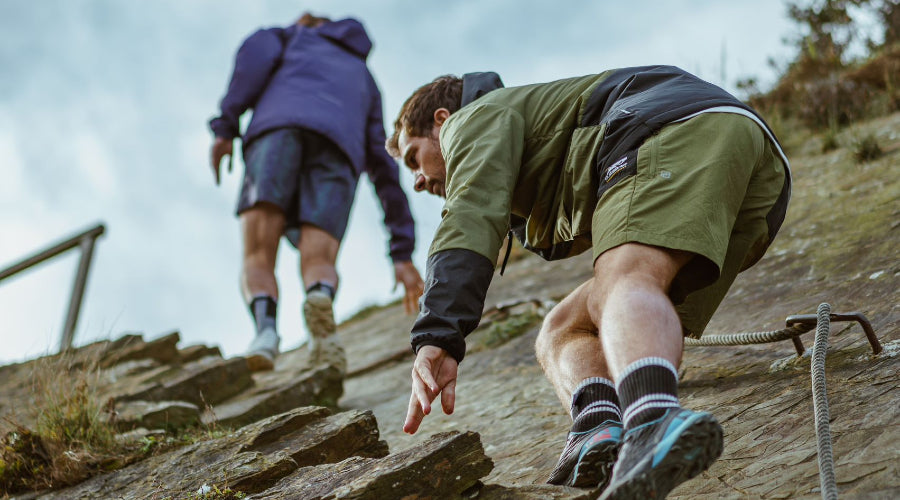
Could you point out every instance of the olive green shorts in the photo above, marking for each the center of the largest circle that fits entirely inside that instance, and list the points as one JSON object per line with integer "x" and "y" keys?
{"x": 704, "y": 185}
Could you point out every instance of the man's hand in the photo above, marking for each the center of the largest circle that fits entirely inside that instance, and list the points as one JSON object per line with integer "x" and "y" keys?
{"x": 406, "y": 273}
{"x": 433, "y": 373}
{"x": 220, "y": 148}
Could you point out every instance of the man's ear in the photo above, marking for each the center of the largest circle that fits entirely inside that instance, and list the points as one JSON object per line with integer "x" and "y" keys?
{"x": 440, "y": 116}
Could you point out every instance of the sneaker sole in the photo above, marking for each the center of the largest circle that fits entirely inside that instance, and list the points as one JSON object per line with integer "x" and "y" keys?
{"x": 259, "y": 363}
{"x": 693, "y": 452}
{"x": 595, "y": 467}
{"x": 319, "y": 317}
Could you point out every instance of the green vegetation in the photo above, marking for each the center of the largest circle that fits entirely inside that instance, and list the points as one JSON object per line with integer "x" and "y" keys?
{"x": 215, "y": 493}
{"x": 867, "y": 149}
{"x": 502, "y": 331}
{"x": 838, "y": 74}
{"x": 74, "y": 437}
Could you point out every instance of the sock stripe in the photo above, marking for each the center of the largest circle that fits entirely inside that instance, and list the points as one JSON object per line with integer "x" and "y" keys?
{"x": 647, "y": 404}
{"x": 647, "y": 388}
{"x": 644, "y": 362}
{"x": 594, "y": 380}
{"x": 602, "y": 407}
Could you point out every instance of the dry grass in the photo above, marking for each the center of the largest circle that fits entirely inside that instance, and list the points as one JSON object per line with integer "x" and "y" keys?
{"x": 71, "y": 439}
{"x": 71, "y": 436}
{"x": 71, "y": 433}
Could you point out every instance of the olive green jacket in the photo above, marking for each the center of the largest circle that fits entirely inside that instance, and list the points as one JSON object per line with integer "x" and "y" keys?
{"x": 534, "y": 161}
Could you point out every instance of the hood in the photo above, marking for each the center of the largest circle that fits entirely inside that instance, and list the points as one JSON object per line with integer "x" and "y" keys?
{"x": 349, "y": 33}
{"x": 476, "y": 85}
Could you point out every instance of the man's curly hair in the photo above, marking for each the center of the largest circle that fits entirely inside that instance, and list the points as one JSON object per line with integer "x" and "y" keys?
{"x": 417, "y": 114}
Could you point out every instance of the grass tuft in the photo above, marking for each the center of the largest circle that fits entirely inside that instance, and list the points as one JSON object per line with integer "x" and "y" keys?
{"x": 73, "y": 436}
{"x": 867, "y": 149}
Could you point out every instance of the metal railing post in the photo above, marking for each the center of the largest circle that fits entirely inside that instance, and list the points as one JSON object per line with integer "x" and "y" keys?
{"x": 87, "y": 252}
{"x": 85, "y": 241}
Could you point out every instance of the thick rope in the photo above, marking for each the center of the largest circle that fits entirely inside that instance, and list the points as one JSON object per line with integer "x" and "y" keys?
{"x": 750, "y": 338}
{"x": 827, "y": 481}
{"x": 820, "y": 404}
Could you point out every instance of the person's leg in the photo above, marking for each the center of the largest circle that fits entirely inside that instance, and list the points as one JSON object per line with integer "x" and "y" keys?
{"x": 569, "y": 350}
{"x": 642, "y": 338}
{"x": 327, "y": 187}
{"x": 691, "y": 183}
{"x": 318, "y": 255}
{"x": 268, "y": 189}
{"x": 261, "y": 226}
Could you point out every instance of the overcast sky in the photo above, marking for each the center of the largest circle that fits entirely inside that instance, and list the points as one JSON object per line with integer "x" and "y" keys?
{"x": 103, "y": 112}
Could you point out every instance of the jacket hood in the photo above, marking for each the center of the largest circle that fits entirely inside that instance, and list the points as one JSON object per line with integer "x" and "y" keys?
{"x": 476, "y": 85}
{"x": 349, "y": 33}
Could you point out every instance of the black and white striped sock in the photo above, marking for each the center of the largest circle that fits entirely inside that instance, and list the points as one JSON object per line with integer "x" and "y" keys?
{"x": 647, "y": 388}
{"x": 594, "y": 401}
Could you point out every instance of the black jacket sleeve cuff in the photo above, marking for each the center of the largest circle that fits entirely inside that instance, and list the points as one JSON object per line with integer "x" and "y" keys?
{"x": 456, "y": 283}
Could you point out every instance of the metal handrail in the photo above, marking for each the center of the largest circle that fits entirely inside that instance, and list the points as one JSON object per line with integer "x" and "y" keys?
{"x": 85, "y": 241}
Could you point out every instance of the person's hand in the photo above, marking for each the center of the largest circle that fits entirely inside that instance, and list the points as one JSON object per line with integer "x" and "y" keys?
{"x": 406, "y": 273}
{"x": 433, "y": 373}
{"x": 220, "y": 148}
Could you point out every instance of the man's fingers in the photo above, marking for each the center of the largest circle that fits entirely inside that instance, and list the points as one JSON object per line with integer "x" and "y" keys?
{"x": 426, "y": 377}
{"x": 414, "y": 415}
{"x": 423, "y": 396}
{"x": 448, "y": 397}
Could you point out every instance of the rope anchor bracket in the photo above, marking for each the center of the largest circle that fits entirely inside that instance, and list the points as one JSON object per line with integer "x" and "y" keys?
{"x": 809, "y": 320}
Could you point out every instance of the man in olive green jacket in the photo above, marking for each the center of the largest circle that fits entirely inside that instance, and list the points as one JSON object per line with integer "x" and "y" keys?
{"x": 675, "y": 186}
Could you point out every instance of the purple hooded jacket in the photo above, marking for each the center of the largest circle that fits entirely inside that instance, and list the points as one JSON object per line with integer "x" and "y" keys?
{"x": 317, "y": 79}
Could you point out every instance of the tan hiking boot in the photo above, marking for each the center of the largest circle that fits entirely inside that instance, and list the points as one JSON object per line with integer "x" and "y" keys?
{"x": 324, "y": 345}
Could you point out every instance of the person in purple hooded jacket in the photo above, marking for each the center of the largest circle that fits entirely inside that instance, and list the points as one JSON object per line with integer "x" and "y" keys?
{"x": 317, "y": 124}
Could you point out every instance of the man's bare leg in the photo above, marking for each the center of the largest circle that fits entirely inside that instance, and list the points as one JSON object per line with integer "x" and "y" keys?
{"x": 630, "y": 297}
{"x": 569, "y": 349}
{"x": 262, "y": 226}
{"x": 318, "y": 255}
{"x": 664, "y": 444}
{"x": 568, "y": 345}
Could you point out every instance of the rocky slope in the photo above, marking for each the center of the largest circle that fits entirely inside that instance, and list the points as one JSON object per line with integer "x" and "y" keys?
{"x": 839, "y": 245}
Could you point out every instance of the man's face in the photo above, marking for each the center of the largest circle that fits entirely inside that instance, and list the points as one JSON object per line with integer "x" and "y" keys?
{"x": 423, "y": 156}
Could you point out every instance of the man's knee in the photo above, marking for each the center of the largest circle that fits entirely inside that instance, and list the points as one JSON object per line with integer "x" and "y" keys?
{"x": 262, "y": 226}
{"x": 636, "y": 262}
{"x": 317, "y": 245}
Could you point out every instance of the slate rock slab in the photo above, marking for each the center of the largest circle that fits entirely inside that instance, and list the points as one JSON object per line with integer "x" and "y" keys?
{"x": 251, "y": 459}
{"x": 444, "y": 466}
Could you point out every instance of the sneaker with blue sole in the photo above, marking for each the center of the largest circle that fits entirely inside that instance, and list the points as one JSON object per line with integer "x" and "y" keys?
{"x": 588, "y": 457}
{"x": 661, "y": 454}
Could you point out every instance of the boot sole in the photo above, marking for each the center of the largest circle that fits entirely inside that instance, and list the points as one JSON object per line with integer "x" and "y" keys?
{"x": 259, "y": 363}
{"x": 693, "y": 452}
{"x": 319, "y": 317}
{"x": 595, "y": 467}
